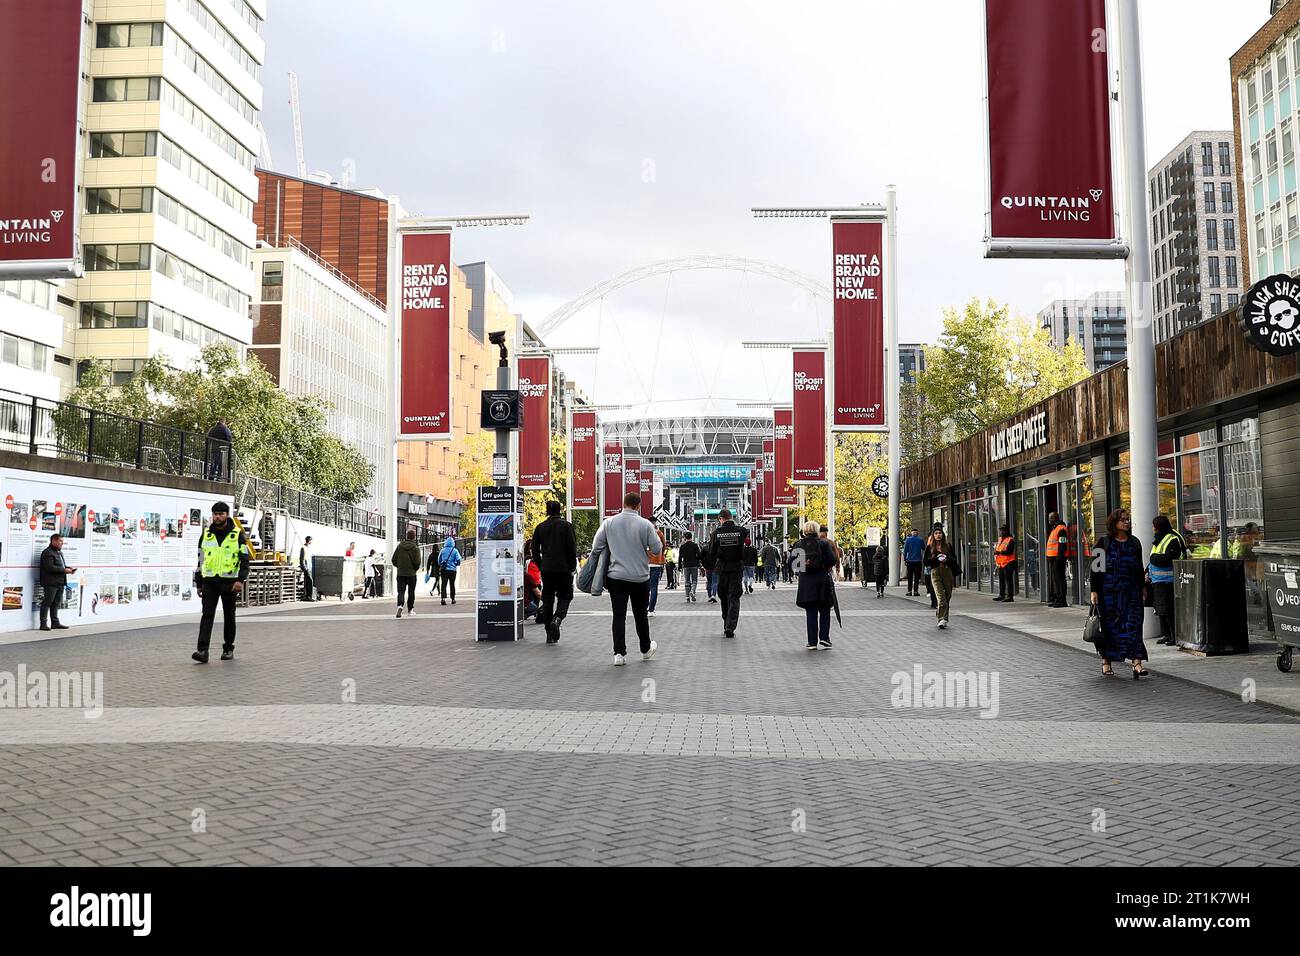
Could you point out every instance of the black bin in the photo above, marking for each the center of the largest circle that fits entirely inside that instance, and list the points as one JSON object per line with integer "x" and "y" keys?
{"x": 1279, "y": 572}
{"x": 1210, "y": 606}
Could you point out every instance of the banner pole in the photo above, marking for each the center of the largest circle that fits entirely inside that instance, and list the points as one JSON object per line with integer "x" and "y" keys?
{"x": 1143, "y": 434}
{"x": 892, "y": 372}
{"x": 393, "y": 395}
{"x": 568, "y": 457}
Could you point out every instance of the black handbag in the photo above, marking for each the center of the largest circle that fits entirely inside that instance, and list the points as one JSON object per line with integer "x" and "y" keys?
{"x": 1092, "y": 626}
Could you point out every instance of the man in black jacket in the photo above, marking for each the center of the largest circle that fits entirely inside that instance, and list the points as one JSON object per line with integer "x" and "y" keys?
{"x": 220, "y": 576}
{"x": 54, "y": 578}
{"x": 688, "y": 559}
{"x": 727, "y": 549}
{"x": 555, "y": 549}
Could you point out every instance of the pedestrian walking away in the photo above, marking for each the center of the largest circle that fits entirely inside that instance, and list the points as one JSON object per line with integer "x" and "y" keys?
{"x": 771, "y": 559}
{"x": 406, "y": 566}
{"x": 945, "y": 568}
{"x": 750, "y": 562}
{"x": 1116, "y": 586}
{"x": 443, "y": 565}
{"x": 816, "y": 594}
{"x": 54, "y": 581}
{"x": 220, "y": 576}
{"x": 688, "y": 556}
{"x": 880, "y": 565}
{"x": 555, "y": 548}
{"x": 913, "y": 554}
{"x": 629, "y": 540}
{"x": 306, "y": 564}
{"x": 1168, "y": 548}
{"x": 368, "y": 569}
{"x": 656, "y": 568}
{"x": 1004, "y": 556}
{"x": 727, "y": 553}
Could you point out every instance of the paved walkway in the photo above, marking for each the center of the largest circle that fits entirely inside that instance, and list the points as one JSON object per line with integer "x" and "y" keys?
{"x": 341, "y": 735}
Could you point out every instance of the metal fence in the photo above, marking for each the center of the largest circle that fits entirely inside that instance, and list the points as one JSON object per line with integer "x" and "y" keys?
{"x": 254, "y": 492}
{"x": 38, "y": 426}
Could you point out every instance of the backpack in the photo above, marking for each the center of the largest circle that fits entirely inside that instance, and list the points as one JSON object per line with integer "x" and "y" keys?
{"x": 814, "y": 559}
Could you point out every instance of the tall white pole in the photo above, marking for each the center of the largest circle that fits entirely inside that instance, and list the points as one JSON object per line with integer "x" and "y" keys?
{"x": 830, "y": 431}
{"x": 393, "y": 369}
{"x": 1137, "y": 281}
{"x": 568, "y": 458}
{"x": 892, "y": 371}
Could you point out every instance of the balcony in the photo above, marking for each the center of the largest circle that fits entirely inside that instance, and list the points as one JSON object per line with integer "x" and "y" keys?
{"x": 1183, "y": 220}
{"x": 1183, "y": 201}
{"x": 1185, "y": 252}
{"x": 1181, "y": 174}
{"x": 1186, "y": 315}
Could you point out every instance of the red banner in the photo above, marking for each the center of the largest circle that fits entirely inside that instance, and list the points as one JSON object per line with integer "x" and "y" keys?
{"x": 426, "y": 335}
{"x": 40, "y": 54}
{"x": 859, "y": 315}
{"x": 1048, "y": 121}
{"x": 808, "y": 455}
{"x": 612, "y": 466}
{"x": 769, "y": 479}
{"x": 583, "y": 459}
{"x": 784, "y": 496}
{"x": 646, "y": 488}
{"x": 535, "y": 436}
{"x": 631, "y": 476}
{"x": 755, "y": 498}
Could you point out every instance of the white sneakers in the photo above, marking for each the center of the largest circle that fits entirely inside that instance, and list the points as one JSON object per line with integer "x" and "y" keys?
{"x": 654, "y": 646}
{"x": 619, "y": 660}
{"x": 411, "y": 613}
{"x": 943, "y": 625}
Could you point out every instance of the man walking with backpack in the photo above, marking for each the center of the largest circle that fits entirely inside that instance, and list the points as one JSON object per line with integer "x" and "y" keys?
{"x": 555, "y": 549}
{"x": 727, "y": 551}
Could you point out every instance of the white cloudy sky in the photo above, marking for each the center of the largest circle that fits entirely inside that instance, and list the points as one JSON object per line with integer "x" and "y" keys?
{"x": 640, "y": 131}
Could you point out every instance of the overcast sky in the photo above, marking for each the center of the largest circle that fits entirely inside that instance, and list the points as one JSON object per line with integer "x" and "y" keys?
{"x": 638, "y": 132}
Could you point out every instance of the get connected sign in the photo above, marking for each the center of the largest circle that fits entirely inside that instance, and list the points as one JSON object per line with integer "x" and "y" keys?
{"x": 702, "y": 474}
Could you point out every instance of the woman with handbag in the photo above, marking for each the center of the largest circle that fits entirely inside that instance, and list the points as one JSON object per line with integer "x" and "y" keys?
{"x": 1167, "y": 547}
{"x": 1116, "y": 584}
{"x": 816, "y": 589}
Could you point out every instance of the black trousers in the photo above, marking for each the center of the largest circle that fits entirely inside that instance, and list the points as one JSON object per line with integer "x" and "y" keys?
{"x": 914, "y": 576}
{"x": 406, "y": 585}
{"x": 929, "y": 589}
{"x": 1007, "y": 580}
{"x": 621, "y": 594}
{"x": 730, "y": 588}
{"x": 1058, "y": 596}
{"x": 882, "y": 578}
{"x": 557, "y": 592}
{"x": 214, "y": 590}
{"x": 50, "y": 604}
{"x": 819, "y": 624}
{"x": 448, "y": 582}
{"x": 308, "y": 587}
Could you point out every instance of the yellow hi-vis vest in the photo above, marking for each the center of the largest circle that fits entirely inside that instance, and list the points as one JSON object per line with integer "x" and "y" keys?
{"x": 221, "y": 558}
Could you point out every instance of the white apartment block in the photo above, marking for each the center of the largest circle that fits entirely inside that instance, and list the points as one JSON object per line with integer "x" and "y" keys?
{"x": 1095, "y": 322}
{"x": 1195, "y": 250}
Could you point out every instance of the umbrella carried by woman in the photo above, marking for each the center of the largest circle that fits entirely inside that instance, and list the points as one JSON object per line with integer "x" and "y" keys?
{"x": 1116, "y": 586}
{"x": 813, "y": 559}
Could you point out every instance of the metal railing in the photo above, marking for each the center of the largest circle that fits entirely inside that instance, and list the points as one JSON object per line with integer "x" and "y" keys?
{"x": 50, "y": 429}
{"x": 260, "y": 493}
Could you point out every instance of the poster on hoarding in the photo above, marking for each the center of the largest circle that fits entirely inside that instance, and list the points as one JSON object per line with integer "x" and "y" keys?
{"x": 425, "y": 356}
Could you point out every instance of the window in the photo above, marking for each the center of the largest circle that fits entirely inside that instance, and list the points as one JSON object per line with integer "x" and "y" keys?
{"x": 206, "y": 178}
{"x": 1216, "y": 304}
{"x": 192, "y": 277}
{"x": 1230, "y": 265}
{"x": 272, "y": 281}
{"x": 127, "y": 88}
{"x": 1261, "y": 240}
{"x": 1275, "y": 216}
{"x": 179, "y": 103}
{"x": 129, "y": 34}
{"x": 1256, "y": 167}
{"x": 1225, "y": 196}
{"x": 1153, "y": 196}
{"x": 209, "y": 75}
{"x": 1288, "y": 143}
{"x": 1251, "y": 97}
{"x": 1225, "y": 159}
{"x": 1270, "y": 145}
{"x": 1207, "y": 194}
{"x": 1283, "y": 77}
{"x": 201, "y": 229}
{"x": 113, "y": 145}
{"x": 1229, "y": 234}
{"x": 224, "y": 36}
{"x": 24, "y": 353}
{"x": 1292, "y": 223}
{"x": 1267, "y": 82}
{"x": 1207, "y": 159}
{"x": 117, "y": 258}
{"x": 1211, "y": 234}
{"x": 1232, "y": 300}
{"x": 1213, "y": 264}
{"x": 119, "y": 199}
{"x": 112, "y": 315}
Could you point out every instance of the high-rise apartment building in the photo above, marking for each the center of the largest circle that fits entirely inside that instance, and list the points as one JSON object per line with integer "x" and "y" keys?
{"x": 1195, "y": 246}
{"x": 911, "y": 362}
{"x": 1095, "y": 322}
{"x": 171, "y": 137}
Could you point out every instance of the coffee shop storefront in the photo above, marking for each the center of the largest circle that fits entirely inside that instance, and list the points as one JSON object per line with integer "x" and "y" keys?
{"x": 1229, "y": 447}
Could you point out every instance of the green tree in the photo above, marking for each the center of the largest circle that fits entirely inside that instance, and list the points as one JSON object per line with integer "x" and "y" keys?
{"x": 987, "y": 366}
{"x": 475, "y": 472}
{"x": 278, "y": 436}
{"x": 585, "y": 521}
{"x": 859, "y": 460}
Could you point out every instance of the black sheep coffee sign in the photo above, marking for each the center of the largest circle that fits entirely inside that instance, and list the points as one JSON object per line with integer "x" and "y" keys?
{"x": 1270, "y": 315}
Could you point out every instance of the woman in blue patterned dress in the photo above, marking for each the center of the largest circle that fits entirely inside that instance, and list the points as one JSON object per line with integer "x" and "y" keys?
{"x": 1116, "y": 584}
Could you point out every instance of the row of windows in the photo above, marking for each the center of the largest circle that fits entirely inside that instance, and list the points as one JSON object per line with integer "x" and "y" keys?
{"x": 1207, "y": 197}
{"x": 129, "y": 256}
{"x": 122, "y": 89}
{"x": 34, "y": 291}
{"x": 1291, "y": 223}
{"x": 175, "y": 100}
{"x": 1266, "y": 74}
{"x": 1269, "y": 160}
{"x": 209, "y": 75}
{"x": 24, "y": 353}
{"x": 136, "y": 144}
{"x": 141, "y": 199}
{"x": 117, "y": 199}
{"x": 141, "y": 315}
{"x": 114, "y": 35}
{"x": 1161, "y": 184}
{"x": 224, "y": 36}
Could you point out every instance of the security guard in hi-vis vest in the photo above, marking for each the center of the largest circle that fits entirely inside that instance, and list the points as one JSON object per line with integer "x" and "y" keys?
{"x": 220, "y": 576}
{"x": 1058, "y": 551}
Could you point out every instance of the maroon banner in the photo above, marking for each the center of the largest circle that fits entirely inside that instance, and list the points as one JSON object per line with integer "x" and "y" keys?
{"x": 612, "y": 466}
{"x": 751, "y": 488}
{"x": 859, "y": 315}
{"x": 646, "y": 488}
{"x": 808, "y": 418}
{"x": 760, "y": 491}
{"x": 40, "y": 55}
{"x": 769, "y": 479}
{"x": 631, "y": 476}
{"x": 426, "y": 335}
{"x": 784, "y": 496}
{"x": 1048, "y": 121}
{"x": 582, "y": 457}
{"x": 535, "y": 435}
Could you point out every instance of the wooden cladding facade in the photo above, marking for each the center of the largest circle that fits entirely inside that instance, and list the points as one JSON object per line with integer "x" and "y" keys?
{"x": 347, "y": 229}
{"x": 1203, "y": 369}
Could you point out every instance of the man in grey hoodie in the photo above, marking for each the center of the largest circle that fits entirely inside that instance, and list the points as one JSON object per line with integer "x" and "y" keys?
{"x": 630, "y": 540}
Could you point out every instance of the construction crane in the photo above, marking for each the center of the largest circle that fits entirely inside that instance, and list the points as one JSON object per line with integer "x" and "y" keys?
{"x": 297, "y": 125}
